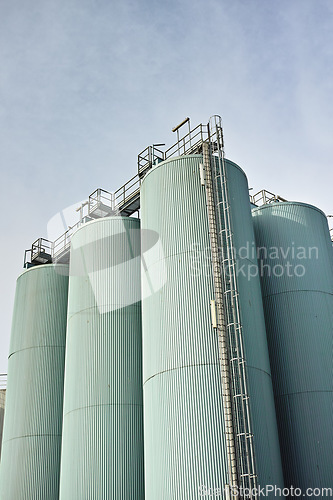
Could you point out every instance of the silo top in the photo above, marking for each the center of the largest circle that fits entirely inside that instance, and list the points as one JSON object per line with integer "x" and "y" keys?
{"x": 293, "y": 238}
{"x": 40, "y": 308}
{"x": 104, "y": 219}
{"x": 61, "y": 269}
{"x": 281, "y": 204}
{"x": 181, "y": 158}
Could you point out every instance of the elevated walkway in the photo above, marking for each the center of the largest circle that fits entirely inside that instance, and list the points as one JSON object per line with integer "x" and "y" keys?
{"x": 126, "y": 200}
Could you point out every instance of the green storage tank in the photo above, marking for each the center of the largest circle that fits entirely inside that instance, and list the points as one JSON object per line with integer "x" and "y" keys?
{"x": 297, "y": 288}
{"x": 102, "y": 447}
{"x": 30, "y": 459}
{"x": 184, "y": 441}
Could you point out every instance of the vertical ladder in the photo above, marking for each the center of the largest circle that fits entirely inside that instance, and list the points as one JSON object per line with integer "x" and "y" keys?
{"x": 243, "y": 436}
{"x": 221, "y": 325}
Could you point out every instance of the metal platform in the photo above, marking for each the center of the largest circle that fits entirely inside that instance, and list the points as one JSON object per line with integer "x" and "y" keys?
{"x": 100, "y": 204}
{"x": 39, "y": 253}
{"x": 126, "y": 200}
{"x": 263, "y": 197}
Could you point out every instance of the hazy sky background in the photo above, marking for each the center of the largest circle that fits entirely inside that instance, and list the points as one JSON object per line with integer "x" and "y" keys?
{"x": 85, "y": 85}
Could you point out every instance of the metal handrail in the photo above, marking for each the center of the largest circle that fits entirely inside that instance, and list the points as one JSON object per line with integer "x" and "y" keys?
{"x": 124, "y": 193}
{"x": 222, "y": 217}
{"x": 189, "y": 143}
{"x": 264, "y": 197}
{"x": 330, "y": 228}
{"x": 3, "y": 381}
{"x": 220, "y": 324}
{"x": 42, "y": 249}
{"x": 27, "y": 257}
{"x": 42, "y": 245}
{"x": 64, "y": 241}
{"x": 100, "y": 196}
{"x": 148, "y": 157}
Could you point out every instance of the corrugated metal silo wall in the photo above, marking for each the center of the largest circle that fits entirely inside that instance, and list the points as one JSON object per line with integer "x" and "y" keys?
{"x": 30, "y": 460}
{"x": 102, "y": 447}
{"x": 182, "y": 384}
{"x": 264, "y": 423}
{"x": 298, "y": 303}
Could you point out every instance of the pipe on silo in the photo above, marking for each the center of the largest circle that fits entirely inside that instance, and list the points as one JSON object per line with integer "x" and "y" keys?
{"x": 102, "y": 446}
{"x": 295, "y": 255}
{"x": 30, "y": 459}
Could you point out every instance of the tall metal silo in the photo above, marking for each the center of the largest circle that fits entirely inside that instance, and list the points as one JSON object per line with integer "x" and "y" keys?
{"x": 30, "y": 459}
{"x": 183, "y": 411}
{"x": 102, "y": 446}
{"x": 297, "y": 288}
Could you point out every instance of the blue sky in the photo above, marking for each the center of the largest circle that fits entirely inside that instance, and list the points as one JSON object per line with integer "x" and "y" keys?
{"x": 85, "y": 85}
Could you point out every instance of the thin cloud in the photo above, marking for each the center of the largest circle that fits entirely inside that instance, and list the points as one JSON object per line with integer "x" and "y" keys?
{"x": 86, "y": 85}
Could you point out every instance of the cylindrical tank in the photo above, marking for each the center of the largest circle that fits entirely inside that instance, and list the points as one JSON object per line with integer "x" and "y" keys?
{"x": 294, "y": 250}
{"x": 102, "y": 447}
{"x": 181, "y": 373}
{"x": 30, "y": 459}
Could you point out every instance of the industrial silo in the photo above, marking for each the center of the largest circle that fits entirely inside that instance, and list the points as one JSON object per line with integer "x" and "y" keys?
{"x": 102, "y": 446}
{"x": 185, "y": 448}
{"x": 30, "y": 459}
{"x": 294, "y": 251}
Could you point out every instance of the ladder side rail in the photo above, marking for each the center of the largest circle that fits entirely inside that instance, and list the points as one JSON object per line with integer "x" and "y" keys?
{"x": 232, "y": 326}
{"x": 221, "y": 329}
{"x": 240, "y": 375}
{"x": 248, "y": 476}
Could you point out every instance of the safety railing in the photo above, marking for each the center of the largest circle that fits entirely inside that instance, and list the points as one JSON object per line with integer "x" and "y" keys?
{"x": 233, "y": 362}
{"x": 127, "y": 191}
{"x": 148, "y": 157}
{"x": 100, "y": 197}
{"x": 330, "y": 227}
{"x": 189, "y": 143}
{"x": 263, "y": 197}
{"x": 61, "y": 244}
{"x": 27, "y": 258}
{"x": 101, "y": 203}
{"x": 39, "y": 253}
{"x": 3, "y": 381}
{"x": 41, "y": 245}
